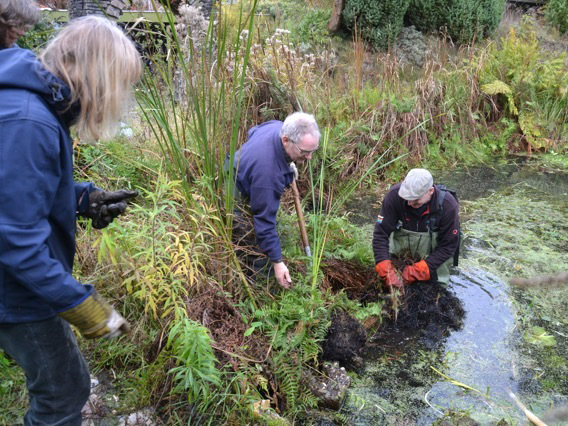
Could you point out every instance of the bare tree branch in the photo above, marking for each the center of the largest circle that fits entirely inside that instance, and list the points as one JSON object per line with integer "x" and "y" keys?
{"x": 559, "y": 280}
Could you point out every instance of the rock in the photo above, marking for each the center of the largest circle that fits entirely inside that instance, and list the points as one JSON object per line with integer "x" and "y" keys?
{"x": 262, "y": 409}
{"x": 330, "y": 387}
{"x": 455, "y": 419}
{"x": 144, "y": 417}
{"x": 99, "y": 409}
{"x": 126, "y": 131}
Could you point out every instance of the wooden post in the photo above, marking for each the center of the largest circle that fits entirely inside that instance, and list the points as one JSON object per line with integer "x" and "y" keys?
{"x": 301, "y": 221}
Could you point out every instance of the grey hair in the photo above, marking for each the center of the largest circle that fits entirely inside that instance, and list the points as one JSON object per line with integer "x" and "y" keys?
{"x": 18, "y": 13}
{"x": 299, "y": 124}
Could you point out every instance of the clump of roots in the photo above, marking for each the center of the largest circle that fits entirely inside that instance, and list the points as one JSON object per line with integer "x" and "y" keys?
{"x": 429, "y": 308}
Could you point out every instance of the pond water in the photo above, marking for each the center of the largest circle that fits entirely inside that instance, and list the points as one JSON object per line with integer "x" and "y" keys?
{"x": 515, "y": 217}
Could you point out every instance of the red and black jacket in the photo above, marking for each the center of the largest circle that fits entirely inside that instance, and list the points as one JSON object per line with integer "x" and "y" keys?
{"x": 446, "y": 219}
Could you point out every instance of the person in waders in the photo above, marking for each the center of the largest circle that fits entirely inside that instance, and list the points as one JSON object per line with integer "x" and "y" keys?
{"x": 417, "y": 220}
{"x": 82, "y": 79}
{"x": 263, "y": 168}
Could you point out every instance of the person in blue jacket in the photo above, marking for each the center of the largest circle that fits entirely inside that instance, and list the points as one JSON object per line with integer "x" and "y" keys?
{"x": 81, "y": 79}
{"x": 263, "y": 170}
{"x": 16, "y": 16}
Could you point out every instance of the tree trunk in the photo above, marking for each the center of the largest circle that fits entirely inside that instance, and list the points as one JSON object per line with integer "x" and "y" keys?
{"x": 109, "y": 8}
{"x": 335, "y": 21}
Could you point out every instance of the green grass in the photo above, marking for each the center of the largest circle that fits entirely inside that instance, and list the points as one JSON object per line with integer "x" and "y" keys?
{"x": 12, "y": 392}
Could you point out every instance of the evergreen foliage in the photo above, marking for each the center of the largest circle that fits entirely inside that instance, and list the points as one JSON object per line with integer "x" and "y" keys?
{"x": 556, "y": 13}
{"x": 312, "y": 29}
{"x": 378, "y": 21}
{"x": 410, "y": 47}
{"x": 427, "y": 15}
{"x": 296, "y": 325}
{"x": 39, "y": 35}
{"x": 464, "y": 20}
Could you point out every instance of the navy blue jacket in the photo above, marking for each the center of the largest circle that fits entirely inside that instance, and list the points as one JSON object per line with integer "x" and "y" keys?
{"x": 263, "y": 173}
{"x": 395, "y": 209}
{"x": 38, "y": 197}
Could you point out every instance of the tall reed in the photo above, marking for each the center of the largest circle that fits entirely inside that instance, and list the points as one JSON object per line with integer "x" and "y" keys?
{"x": 194, "y": 100}
{"x": 328, "y": 208}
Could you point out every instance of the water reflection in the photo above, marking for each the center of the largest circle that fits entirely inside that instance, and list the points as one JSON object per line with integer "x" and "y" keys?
{"x": 403, "y": 387}
{"x": 482, "y": 354}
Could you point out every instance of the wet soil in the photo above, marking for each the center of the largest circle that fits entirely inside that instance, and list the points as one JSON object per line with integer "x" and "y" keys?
{"x": 345, "y": 340}
{"x": 426, "y": 309}
{"x": 358, "y": 281}
{"x": 429, "y": 310}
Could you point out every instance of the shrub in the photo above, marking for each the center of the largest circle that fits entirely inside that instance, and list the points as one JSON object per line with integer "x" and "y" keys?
{"x": 556, "y": 13}
{"x": 312, "y": 29}
{"x": 462, "y": 19}
{"x": 378, "y": 21}
{"x": 426, "y": 15}
{"x": 39, "y": 35}
{"x": 530, "y": 84}
{"x": 410, "y": 47}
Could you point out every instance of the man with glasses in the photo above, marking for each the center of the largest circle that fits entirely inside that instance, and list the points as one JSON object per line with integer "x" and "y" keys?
{"x": 263, "y": 170}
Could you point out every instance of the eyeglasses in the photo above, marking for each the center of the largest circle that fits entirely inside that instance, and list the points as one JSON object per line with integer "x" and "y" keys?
{"x": 303, "y": 152}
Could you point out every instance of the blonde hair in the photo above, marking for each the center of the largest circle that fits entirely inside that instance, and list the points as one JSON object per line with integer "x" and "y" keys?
{"x": 100, "y": 64}
{"x": 18, "y": 13}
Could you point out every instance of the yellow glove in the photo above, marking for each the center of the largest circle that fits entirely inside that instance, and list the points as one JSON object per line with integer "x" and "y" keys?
{"x": 95, "y": 318}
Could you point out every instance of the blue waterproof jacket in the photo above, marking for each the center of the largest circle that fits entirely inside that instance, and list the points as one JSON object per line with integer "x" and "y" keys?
{"x": 263, "y": 173}
{"x": 38, "y": 197}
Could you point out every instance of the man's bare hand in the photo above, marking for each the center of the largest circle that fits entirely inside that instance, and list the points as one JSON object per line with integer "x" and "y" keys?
{"x": 282, "y": 274}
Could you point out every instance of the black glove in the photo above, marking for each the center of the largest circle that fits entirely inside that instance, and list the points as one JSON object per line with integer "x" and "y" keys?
{"x": 104, "y": 206}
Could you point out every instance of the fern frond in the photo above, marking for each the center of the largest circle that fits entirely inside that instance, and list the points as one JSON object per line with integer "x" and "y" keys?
{"x": 498, "y": 87}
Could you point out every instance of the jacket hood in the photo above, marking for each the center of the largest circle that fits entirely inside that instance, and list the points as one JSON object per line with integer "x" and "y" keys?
{"x": 20, "y": 69}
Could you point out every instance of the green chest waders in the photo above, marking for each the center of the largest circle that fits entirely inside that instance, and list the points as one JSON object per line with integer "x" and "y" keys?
{"x": 419, "y": 245}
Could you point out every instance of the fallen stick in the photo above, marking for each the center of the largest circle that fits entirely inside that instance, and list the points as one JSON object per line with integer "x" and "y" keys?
{"x": 534, "y": 419}
{"x": 549, "y": 281}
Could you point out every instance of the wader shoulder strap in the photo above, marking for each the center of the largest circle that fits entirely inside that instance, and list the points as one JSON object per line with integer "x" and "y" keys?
{"x": 433, "y": 225}
{"x": 441, "y": 196}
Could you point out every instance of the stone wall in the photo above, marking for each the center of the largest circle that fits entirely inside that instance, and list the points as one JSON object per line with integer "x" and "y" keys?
{"x": 111, "y": 8}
